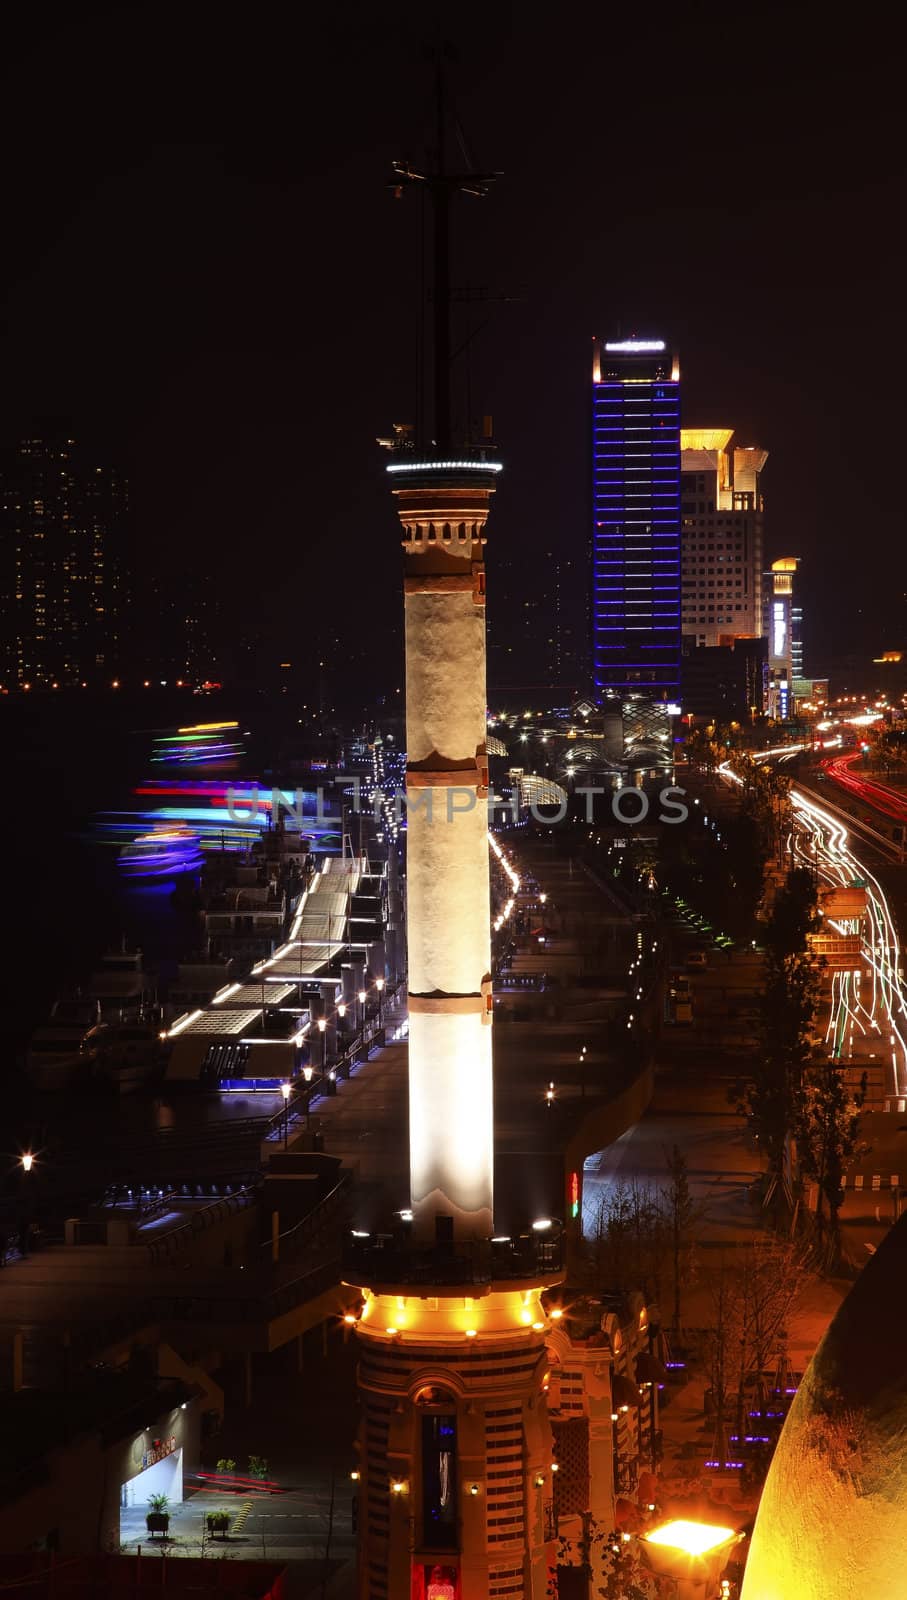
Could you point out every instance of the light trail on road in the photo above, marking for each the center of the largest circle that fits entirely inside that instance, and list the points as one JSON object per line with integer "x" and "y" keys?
{"x": 856, "y": 1018}
{"x": 871, "y": 793}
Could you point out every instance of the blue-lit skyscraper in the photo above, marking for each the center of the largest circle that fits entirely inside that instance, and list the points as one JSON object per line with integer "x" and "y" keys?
{"x": 636, "y": 520}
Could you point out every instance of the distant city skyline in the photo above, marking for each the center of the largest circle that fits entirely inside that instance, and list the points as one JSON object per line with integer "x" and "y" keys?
{"x": 205, "y": 305}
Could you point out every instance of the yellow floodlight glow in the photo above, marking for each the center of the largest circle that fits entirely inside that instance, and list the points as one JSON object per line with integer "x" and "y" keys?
{"x": 693, "y": 1538}
{"x": 705, "y": 438}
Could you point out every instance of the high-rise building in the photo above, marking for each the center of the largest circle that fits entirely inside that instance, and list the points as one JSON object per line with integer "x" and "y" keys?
{"x": 725, "y": 682}
{"x": 796, "y": 638}
{"x": 61, "y": 520}
{"x": 722, "y": 512}
{"x": 636, "y": 519}
{"x": 782, "y": 622}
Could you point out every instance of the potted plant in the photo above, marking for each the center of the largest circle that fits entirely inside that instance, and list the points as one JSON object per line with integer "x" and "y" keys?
{"x": 158, "y": 1517}
{"x": 218, "y": 1522}
{"x": 258, "y": 1467}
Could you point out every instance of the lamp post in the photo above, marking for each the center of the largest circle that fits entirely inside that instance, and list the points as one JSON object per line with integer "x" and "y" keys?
{"x": 362, "y": 1000}
{"x": 28, "y": 1161}
{"x": 379, "y": 985}
{"x": 286, "y": 1091}
{"x": 307, "y": 1074}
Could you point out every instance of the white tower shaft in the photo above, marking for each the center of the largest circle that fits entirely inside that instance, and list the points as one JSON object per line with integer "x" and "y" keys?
{"x": 448, "y": 903}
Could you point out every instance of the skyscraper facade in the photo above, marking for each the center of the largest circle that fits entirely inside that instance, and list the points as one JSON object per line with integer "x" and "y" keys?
{"x": 782, "y": 625}
{"x": 722, "y": 516}
{"x": 636, "y": 520}
{"x": 61, "y": 518}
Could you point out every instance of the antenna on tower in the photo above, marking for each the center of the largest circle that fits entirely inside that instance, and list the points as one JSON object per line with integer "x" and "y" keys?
{"x": 441, "y": 185}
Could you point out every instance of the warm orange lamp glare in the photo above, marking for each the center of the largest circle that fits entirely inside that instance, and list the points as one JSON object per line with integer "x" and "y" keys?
{"x": 694, "y": 1538}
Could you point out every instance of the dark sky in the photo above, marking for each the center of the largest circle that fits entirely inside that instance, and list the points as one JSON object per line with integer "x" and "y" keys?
{"x": 205, "y": 274}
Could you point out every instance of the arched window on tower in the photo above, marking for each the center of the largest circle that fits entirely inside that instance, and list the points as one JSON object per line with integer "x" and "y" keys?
{"x": 438, "y": 1442}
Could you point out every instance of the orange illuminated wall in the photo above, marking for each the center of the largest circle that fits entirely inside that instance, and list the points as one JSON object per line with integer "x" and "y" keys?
{"x": 435, "y": 1582}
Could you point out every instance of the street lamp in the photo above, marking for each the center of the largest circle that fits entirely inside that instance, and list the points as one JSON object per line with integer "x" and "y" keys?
{"x": 286, "y": 1091}
{"x": 379, "y": 985}
{"x": 28, "y": 1161}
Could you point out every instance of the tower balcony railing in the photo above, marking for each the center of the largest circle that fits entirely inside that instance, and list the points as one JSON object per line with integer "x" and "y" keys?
{"x": 377, "y": 1258}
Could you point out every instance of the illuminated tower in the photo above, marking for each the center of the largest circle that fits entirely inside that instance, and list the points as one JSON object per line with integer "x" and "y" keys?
{"x": 782, "y": 625}
{"x": 443, "y": 507}
{"x": 636, "y": 532}
{"x": 455, "y": 1464}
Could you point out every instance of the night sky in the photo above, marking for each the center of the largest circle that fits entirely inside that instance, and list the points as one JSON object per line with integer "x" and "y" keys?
{"x": 204, "y": 274}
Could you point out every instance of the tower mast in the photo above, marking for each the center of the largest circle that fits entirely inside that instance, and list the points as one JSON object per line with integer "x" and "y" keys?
{"x": 441, "y": 186}
{"x": 453, "y": 1324}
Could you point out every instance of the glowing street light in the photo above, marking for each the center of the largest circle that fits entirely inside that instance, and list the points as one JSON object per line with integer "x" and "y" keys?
{"x": 676, "y": 1546}
{"x": 286, "y": 1091}
{"x": 28, "y": 1161}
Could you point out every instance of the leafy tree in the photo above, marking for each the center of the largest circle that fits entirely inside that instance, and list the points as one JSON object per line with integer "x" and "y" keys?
{"x": 827, "y": 1141}
{"x": 773, "y": 1097}
{"x": 702, "y": 750}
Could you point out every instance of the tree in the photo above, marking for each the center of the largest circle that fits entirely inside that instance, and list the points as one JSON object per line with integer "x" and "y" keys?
{"x": 827, "y": 1141}
{"x": 630, "y": 1247}
{"x": 723, "y": 1344}
{"x": 610, "y": 1562}
{"x": 769, "y": 1281}
{"x": 701, "y": 749}
{"x": 680, "y": 1212}
{"x": 773, "y": 1097}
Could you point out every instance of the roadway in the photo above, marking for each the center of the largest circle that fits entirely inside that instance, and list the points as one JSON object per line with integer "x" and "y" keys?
{"x": 867, "y": 1014}
{"x": 878, "y": 795}
{"x": 868, "y": 1007}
